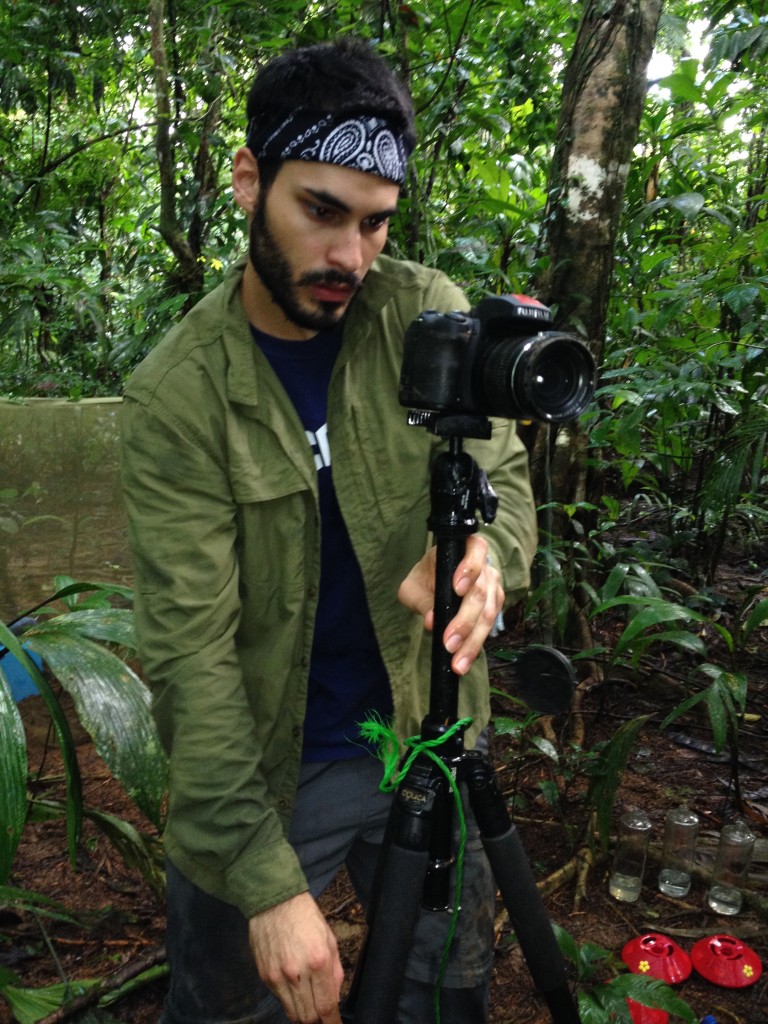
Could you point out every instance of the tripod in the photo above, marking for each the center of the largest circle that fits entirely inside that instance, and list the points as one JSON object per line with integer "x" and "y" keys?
{"x": 416, "y": 859}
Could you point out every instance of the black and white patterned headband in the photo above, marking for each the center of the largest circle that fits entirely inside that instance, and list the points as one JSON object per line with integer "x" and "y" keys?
{"x": 361, "y": 141}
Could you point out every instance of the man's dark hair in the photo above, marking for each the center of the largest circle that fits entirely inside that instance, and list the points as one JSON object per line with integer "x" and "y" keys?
{"x": 346, "y": 76}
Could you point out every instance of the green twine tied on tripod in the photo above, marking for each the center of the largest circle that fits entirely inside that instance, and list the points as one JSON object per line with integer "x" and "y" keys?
{"x": 376, "y": 732}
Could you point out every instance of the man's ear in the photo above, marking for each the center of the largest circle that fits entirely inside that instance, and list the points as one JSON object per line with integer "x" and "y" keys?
{"x": 245, "y": 179}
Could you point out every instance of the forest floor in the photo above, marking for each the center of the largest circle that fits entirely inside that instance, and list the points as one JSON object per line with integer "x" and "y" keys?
{"x": 120, "y": 921}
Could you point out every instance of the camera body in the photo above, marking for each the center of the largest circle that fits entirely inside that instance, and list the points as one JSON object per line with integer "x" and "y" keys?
{"x": 502, "y": 359}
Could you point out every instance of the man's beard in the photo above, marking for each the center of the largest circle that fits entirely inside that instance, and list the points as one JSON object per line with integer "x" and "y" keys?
{"x": 273, "y": 268}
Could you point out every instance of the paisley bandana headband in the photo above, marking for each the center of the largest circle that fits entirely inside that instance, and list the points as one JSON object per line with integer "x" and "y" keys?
{"x": 362, "y": 142}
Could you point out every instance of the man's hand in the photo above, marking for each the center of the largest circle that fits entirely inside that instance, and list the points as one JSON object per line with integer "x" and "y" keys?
{"x": 478, "y": 585}
{"x": 297, "y": 958}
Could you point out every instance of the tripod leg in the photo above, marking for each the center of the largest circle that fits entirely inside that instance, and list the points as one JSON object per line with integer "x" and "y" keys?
{"x": 399, "y": 889}
{"x": 389, "y": 942}
{"x": 519, "y": 893}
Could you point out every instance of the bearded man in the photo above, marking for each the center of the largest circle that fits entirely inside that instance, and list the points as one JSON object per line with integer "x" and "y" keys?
{"x": 284, "y": 572}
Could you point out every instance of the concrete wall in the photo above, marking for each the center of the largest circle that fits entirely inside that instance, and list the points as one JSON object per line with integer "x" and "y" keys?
{"x": 60, "y": 504}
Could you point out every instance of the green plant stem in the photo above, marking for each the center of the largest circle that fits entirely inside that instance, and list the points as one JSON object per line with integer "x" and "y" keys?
{"x": 129, "y": 973}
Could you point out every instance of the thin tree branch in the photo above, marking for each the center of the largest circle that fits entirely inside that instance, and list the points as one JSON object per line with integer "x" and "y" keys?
{"x": 53, "y": 165}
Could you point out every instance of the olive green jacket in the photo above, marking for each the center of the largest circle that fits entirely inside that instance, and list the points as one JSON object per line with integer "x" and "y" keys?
{"x": 221, "y": 495}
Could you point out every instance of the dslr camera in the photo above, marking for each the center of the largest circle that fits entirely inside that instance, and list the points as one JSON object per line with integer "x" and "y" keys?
{"x": 502, "y": 359}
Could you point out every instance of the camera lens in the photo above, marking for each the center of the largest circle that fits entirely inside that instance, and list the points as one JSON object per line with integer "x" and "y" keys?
{"x": 547, "y": 377}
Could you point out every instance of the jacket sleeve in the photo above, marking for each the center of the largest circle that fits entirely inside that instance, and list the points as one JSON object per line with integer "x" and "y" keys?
{"x": 223, "y": 830}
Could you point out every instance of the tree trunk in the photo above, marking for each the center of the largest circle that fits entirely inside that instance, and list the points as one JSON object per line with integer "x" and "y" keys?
{"x": 603, "y": 95}
{"x": 189, "y": 277}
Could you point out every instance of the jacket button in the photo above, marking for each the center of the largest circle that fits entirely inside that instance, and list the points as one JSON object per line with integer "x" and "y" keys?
{"x": 312, "y": 592}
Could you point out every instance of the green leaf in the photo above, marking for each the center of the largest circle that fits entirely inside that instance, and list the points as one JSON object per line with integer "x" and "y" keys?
{"x": 718, "y": 716}
{"x": 112, "y": 703}
{"x": 642, "y": 628}
{"x": 569, "y": 947}
{"x": 757, "y": 617}
{"x": 550, "y": 792}
{"x": 607, "y": 772}
{"x": 725, "y": 699}
{"x": 681, "y": 638}
{"x": 138, "y": 850}
{"x": 600, "y": 1006}
{"x": 615, "y": 581}
{"x": 652, "y": 616}
{"x": 506, "y": 654}
{"x": 651, "y": 992}
{"x": 686, "y": 705}
{"x": 13, "y": 777}
{"x": 689, "y": 204}
{"x": 726, "y": 404}
{"x": 642, "y": 583}
{"x": 108, "y": 625}
{"x": 7, "y": 977}
{"x": 67, "y": 589}
{"x": 505, "y": 726}
{"x": 30, "y": 1005}
{"x": 682, "y": 88}
{"x": 741, "y": 297}
{"x": 586, "y": 957}
{"x": 72, "y": 778}
{"x": 546, "y": 747}
{"x": 36, "y": 902}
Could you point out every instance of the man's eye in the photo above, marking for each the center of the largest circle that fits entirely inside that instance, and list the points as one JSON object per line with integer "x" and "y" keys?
{"x": 320, "y": 212}
{"x": 375, "y": 223}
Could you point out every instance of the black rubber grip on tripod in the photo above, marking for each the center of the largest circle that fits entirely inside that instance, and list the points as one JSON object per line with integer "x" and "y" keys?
{"x": 531, "y": 923}
{"x": 388, "y": 944}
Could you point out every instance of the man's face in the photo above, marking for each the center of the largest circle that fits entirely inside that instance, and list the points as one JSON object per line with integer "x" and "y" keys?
{"x": 314, "y": 235}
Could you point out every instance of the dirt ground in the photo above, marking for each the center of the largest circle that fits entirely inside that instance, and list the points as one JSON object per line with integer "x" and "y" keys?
{"x": 121, "y": 919}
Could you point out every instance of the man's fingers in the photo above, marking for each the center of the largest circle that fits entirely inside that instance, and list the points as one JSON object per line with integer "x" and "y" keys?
{"x": 310, "y": 999}
{"x": 326, "y": 1005}
{"x": 482, "y": 600}
{"x": 478, "y": 585}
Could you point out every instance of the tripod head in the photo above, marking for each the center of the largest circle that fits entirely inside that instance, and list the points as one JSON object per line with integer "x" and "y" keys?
{"x": 449, "y": 425}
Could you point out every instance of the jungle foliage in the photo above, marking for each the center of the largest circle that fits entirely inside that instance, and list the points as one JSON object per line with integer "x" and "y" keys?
{"x": 117, "y": 126}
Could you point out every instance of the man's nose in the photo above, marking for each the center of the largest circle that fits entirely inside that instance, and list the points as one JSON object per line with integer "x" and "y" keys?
{"x": 346, "y": 251}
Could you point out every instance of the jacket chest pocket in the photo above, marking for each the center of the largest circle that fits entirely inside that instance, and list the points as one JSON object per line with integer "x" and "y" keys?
{"x": 273, "y": 483}
{"x": 277, "y": 569}
{"x": 274, "y": 538}
{"x": 266, "y": 464}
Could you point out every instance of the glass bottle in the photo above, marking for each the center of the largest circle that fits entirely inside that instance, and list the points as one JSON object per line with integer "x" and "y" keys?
{"x": 729, "y": 875}
{"x": 626, "y": 876}
{"x": 681, "y": 829}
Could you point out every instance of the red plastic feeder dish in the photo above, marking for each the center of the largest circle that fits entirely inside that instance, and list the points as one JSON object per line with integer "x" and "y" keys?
{"x": 646, "y": 1014}
{"x": 725, "y": 960}
{"x": 657, "y": 957}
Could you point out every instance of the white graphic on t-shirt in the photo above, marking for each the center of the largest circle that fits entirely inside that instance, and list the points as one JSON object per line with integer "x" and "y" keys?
{"x": 319, "y": 444}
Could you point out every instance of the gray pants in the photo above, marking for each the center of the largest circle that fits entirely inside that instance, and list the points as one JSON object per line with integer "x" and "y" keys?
{"x": 339, "y": 819}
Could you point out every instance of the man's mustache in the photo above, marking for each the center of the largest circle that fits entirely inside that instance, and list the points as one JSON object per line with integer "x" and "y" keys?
{"x": 334, "y": 278}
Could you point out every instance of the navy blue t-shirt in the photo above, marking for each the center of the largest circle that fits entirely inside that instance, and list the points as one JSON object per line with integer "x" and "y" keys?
{"x": 347, "y": 678}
